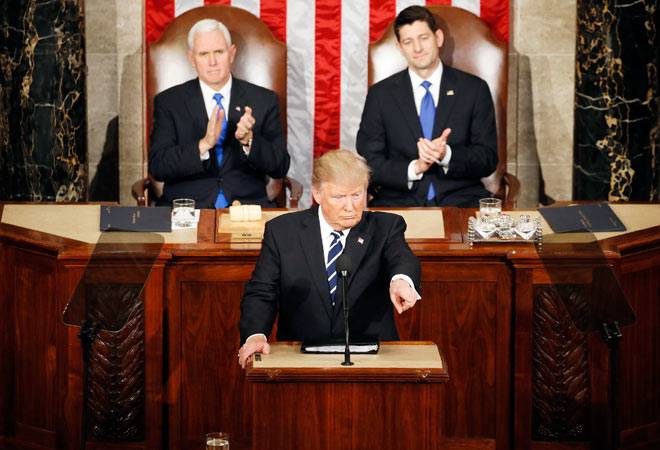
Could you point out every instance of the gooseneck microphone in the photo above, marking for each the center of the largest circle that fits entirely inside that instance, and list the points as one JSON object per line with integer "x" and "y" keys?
{"x": 344, "y": 266}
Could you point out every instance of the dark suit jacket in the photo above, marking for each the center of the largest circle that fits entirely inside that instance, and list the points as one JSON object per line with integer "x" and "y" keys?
{"x": 180, "y": 121}
{"x": 290, "y": 278}
{"x": 390, "y": 129}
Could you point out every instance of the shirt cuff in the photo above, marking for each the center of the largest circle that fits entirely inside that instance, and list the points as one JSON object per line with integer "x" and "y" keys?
{"x": 407, "y": 279}
{"x": 256, "y": 334}
{"x": 247, "y": 147}
{"x": 412, "y": 176}
{"x": 205, "y": 156}
{"x": 444, "y": 162}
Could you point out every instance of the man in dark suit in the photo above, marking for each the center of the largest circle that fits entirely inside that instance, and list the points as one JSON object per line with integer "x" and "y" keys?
{"x": 295, "y": 274}
{"x": 215, "y": 138}
{"x": 428, "y": 132}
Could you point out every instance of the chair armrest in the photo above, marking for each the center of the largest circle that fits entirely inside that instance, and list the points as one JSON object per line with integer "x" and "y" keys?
{"x": 512, "y": 190}
{"x": 295, "y": 190}
{"x": 139, "y": 191}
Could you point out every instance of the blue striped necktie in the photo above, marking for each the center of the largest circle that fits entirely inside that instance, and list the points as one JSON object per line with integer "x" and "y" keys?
{"x": 426, "y": 119}
{"x": 221, "y": 200}
{"x": 330, "y": 267}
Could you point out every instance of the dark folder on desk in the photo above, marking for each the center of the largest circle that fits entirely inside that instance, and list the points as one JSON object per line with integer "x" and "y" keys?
{"x": 136, "y": 218}
{"x": 594, "y": 217}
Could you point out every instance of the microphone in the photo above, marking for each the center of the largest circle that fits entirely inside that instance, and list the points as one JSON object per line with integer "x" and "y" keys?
{"x": 344, "y": 266}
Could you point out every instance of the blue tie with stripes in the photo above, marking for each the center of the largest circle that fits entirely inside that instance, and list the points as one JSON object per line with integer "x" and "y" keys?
{"x": 426, "y": 119}
{"x": 221, "y": 200}
{"x": 330, "y": 267}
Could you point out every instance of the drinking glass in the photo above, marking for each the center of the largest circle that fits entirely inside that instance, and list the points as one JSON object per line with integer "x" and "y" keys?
{"x": 490, "y": 207}
{"x": 525, "y": 226}
{"x": 485, "y": 226}
{"x": 505, "y": 227}
{"x": 217, "y": 441}
{"x": 183, "y": 212}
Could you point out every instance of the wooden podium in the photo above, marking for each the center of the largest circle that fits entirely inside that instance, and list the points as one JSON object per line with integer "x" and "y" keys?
{"x": 309, "y": 401}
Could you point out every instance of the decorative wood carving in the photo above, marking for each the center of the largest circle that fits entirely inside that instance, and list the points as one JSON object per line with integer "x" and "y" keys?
{"x": 116, "y": 378}
{"x": 560, "y": 371}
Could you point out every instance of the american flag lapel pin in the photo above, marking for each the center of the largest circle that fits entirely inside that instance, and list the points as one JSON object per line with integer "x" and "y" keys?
{"x": 360, "y": 241}
{"x": 450, "y": 92}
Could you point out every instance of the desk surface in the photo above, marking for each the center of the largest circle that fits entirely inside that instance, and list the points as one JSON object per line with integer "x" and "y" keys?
{"x": 71, "y": 225}
{"x": 395, "y": 362}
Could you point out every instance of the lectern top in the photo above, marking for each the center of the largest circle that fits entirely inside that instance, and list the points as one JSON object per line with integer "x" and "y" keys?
{"x": 395, "y": 361}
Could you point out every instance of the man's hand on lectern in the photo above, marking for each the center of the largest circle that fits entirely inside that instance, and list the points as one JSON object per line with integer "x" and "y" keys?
{"x": 254, "y": 344}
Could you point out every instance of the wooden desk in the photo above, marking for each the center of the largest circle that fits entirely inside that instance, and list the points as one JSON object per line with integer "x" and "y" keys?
{"x": 311, "y": 402}
{"x": 483, "y": 306}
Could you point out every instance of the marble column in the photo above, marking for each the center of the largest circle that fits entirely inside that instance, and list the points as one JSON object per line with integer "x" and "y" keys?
{"x": 616, "y": 101}
{"x": 42, "y": 101}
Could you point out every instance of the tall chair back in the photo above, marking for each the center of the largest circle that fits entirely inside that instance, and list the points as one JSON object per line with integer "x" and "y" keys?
{"x": 470, "y": 46}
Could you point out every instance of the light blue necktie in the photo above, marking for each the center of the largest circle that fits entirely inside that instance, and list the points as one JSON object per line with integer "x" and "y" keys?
{"x": 331, "y": 265}
{"x": 220, "y": 201}
{"x": 426, "y": 119}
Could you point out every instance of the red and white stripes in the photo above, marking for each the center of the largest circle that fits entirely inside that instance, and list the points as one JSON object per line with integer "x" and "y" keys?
{"x": 327, "y": 43}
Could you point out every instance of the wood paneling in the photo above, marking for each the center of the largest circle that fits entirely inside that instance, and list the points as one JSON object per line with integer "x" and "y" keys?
{"x": 327, "y": 416}
{"x": 35, "y": 319}
{"x": 479, "y": 306}
{"x": 640, "y": 358}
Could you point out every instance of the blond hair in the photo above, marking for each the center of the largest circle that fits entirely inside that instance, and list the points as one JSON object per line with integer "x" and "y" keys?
{"x": 341, "y": 167}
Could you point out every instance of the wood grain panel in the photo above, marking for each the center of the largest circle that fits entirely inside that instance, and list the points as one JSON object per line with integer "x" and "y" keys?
{"x": 35, "y": 319}
{"x": 212, "y": 392}
{"x": 640, "y": 358}
{"x": 6, "y": 344}
{"x": 460, "y": 318}
{"x": 327, "y": 416}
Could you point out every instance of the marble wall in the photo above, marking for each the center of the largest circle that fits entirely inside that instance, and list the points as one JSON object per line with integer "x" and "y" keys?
{"x": 115, "y": 100}
{"x": 616, "y": 101}
{"x": 42, "y": 102}
{"x": 541, "y": 91}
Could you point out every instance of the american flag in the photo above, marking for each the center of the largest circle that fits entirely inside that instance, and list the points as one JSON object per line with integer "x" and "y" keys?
{"x": 327, "y": 43}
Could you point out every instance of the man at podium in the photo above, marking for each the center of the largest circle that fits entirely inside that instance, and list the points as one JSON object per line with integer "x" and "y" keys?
{"x": 295, "y": 278}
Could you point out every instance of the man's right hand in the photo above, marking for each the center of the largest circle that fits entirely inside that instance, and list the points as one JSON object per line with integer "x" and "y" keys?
{"x": 213, "y": 130}
{"x": 430, "y": 152}
{"x": 254, "y": 344}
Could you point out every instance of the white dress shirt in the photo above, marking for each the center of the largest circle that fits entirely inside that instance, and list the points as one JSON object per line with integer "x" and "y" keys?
{"x": 418, "y": 93}
{"x": 209, "y": 103}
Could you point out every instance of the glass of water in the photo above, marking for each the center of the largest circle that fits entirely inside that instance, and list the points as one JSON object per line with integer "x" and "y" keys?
{"x": 490, "y": 207}
{"x": 217, "y": 441}
{"x": 183, "y": 212}
{"x": 525, "y": 226}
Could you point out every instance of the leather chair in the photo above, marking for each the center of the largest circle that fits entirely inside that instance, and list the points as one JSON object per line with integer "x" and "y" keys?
{"x": 470, "y": 46}
{"x": 261, "y": 59}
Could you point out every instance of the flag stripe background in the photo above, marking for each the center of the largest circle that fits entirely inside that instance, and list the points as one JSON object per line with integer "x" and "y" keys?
{"x": 327, "y": 75}
{"x": 327, "y": 44}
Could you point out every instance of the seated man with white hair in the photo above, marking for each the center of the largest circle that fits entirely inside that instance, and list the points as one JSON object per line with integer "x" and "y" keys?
{"x": 215, "y": 138}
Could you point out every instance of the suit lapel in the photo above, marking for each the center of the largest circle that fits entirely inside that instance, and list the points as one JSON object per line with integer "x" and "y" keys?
{"x": 195, "y": 104}
{"x": 310, "y": 241}
{"x": 403, "y": 97}
{"x": 238, "y": 102}
{"x": 356, "y": 246}
{"x": 446, "y": 100}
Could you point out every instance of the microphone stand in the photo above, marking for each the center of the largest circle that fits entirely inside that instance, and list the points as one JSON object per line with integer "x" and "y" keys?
{"x": 347, "y": 349}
